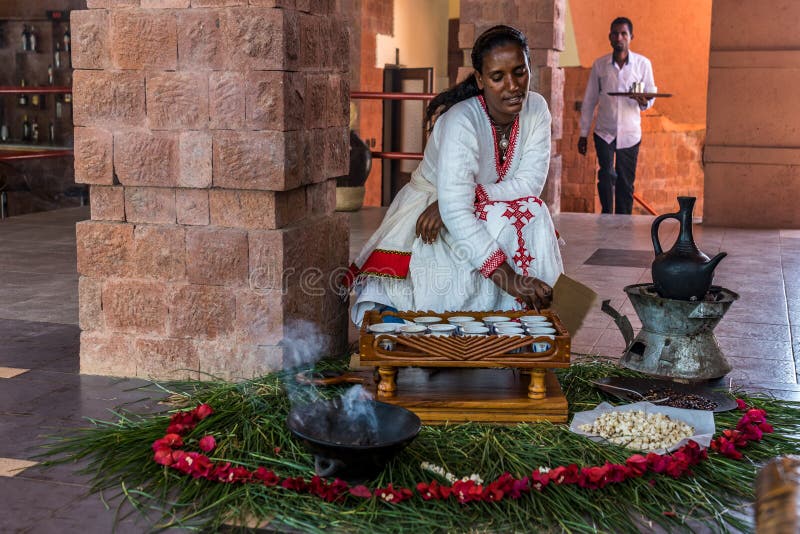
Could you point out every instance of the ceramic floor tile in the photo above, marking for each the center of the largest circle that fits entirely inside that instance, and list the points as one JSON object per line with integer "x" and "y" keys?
{"x": 614, "y": 352}
{"x": 26, "y": 502}
{"x": 581, "y": 350}
{"x": 596, "y": 319}
{"x": 615, "y": 257}
{"x": 611, "y": 337}
{"x": 587, "y": 336}
{"x": 731, "y": 328}
{"x": 766, "y": 313}
{"x": 754, "y": 370}
{"x": 10, "y": 467}
{"x": 758, "y": 349}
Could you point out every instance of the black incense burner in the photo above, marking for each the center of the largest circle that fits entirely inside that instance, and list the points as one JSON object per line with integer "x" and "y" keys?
{"x": 353, "y": 446}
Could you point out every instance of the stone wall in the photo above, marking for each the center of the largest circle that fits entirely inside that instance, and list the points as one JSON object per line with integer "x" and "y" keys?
{"x": 543, "y": 22}
{"x": 209, "y": 131}
{"x": 669, "y": 158}
{"x": 752, "y": 157}
{"x": 377, "y": 16}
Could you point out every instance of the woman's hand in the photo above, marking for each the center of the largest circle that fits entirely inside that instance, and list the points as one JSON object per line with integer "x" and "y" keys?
{"x": 534, "y": 293}
{"x": 429, "y": 223}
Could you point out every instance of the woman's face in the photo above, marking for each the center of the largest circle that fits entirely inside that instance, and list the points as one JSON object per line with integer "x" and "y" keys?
{"x": 504, "y": 80}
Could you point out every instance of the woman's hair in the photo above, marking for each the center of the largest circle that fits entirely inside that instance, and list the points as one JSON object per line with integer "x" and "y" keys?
{"x": 490, "y": 39}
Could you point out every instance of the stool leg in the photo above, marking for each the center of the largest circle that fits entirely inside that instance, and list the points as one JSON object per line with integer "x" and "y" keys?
{"x": 388, "y": 385}
{"x": 537, "y": 389}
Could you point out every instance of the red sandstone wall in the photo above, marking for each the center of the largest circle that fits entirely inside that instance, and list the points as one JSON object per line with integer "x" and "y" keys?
{"x": 752, "y": 159}
{"x": 377, "y": 16}
{"x": 211, "y": 137}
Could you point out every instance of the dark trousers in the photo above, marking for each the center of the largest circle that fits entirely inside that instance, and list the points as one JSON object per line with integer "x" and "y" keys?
{"x": 615, "y": 178}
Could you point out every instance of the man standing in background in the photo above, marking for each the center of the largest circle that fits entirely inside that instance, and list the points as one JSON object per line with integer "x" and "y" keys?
{"x": 618, "y": 129}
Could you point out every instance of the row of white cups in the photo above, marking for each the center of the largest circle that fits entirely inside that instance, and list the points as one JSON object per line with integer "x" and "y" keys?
{"x": 463, "y": 325}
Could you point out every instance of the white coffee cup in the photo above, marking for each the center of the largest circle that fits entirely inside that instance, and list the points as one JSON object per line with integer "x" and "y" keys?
{"x": 518, "y": 335}
{"x": 528, "y": 319}
{"x": 540, "y": 330}
{"x": 383, "y": 328}
{"x": 413, "y": 329}
{"x": 428, "y": 320}
{"x": 386, "y": 344}
{"x": 460, "y": 319}
{"x": 442, "y": 330}
{"x": 540, "y": 346}
{"x": 476, "y": 331}
{"x": 509, "y": 330}
{"x": 493, "y": 319}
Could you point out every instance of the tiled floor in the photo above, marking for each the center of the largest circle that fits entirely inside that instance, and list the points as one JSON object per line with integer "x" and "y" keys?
{"x": 41, "y": 392}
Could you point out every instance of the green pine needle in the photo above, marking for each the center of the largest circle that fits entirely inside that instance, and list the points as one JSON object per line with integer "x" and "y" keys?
{"x": 249, "y": 424}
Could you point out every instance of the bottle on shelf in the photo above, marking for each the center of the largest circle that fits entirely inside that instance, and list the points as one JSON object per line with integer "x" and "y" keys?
{"x": 67, "y": 40}
{"x": 50, "y": 75}
{"x": 36, "y": 100}
{"x": 26, "y": 128}
{"x": 26, "y": 40}
{"x": 59, "y": 107}
{"x": 52, "y": 132}
{"x": 32, "y": 44}
{"x": 4, "y": 133}
{"x": 57, "y": 56}
{"x": 23, "y": 97}
{"x": 68, "y": 98}
{"x": 35, "y": 131}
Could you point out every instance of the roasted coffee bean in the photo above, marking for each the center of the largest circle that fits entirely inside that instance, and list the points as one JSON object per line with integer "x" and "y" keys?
{"x": 689, "y": 401}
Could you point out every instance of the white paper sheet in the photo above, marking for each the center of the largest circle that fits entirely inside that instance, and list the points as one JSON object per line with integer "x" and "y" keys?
{"x": 701, "y": 420}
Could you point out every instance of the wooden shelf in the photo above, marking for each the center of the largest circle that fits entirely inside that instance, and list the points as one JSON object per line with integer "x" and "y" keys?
{"x": 16, "y": 154}
{"x": 10, "y": 89}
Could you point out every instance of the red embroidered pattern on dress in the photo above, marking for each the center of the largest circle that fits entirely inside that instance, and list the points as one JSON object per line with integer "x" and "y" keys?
{"x": 480, "y": 194}
{"x": 512, "y": 143}
{"x": 382, "y": 263}
{"x": 518, "y": 218}
{"x": 495, "y": 260}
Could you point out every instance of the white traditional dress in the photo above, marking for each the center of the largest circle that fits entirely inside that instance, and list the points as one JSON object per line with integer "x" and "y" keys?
{"x": 491, "y": 211}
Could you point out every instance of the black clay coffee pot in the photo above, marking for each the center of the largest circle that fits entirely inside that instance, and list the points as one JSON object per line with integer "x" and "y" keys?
{"x": 682, "y": 273}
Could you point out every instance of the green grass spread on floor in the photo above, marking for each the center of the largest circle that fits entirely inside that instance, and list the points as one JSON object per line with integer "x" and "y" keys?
{"x": 249, "y": 427}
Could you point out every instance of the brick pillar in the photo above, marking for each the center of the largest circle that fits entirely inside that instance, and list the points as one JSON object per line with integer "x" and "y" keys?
{"x": 210, "y": 131}
{"x": 543, "y": 22}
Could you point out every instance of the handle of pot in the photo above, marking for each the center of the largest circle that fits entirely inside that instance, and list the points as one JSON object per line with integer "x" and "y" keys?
{"x": 654, "y": 230}
{"x": 326, "y": 467}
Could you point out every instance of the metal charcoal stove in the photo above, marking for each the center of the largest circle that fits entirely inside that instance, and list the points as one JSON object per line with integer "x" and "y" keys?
{"x": 677, "y": 339}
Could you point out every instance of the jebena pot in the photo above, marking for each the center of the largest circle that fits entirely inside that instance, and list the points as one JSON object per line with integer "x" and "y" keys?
{"x": 683, "y": 272}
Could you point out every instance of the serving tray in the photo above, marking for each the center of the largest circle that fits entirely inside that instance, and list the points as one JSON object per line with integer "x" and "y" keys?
{"x": 480, "y": 351}
{"x": 647, "y": 95}
{"x": 626, "y": 388}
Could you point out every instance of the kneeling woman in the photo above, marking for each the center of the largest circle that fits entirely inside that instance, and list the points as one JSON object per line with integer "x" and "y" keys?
{"x": 469, "y": 232}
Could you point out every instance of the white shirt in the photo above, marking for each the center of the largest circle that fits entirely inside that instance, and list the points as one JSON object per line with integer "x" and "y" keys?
{"x": 618, "y": 117}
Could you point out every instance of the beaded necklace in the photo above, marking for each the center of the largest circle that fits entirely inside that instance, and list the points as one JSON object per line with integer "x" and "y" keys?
{"x": 502, "y": 137}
